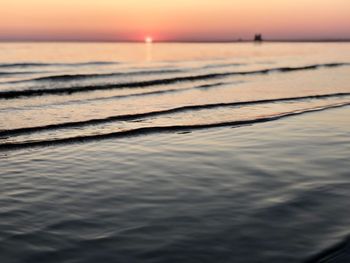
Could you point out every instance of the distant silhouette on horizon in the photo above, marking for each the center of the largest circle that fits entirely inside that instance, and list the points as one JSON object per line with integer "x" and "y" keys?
{"x": 258, "y": 38}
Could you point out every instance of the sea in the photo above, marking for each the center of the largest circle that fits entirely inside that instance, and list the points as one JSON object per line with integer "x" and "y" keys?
{"x": 174, "y": 152}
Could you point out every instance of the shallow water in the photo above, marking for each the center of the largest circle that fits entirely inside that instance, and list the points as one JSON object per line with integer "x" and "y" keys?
{"x": 274, "y": 192}
{"x": 126, "y": 152}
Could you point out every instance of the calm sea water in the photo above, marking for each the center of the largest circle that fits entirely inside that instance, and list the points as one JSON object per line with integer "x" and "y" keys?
{"x": 126, "y": 152}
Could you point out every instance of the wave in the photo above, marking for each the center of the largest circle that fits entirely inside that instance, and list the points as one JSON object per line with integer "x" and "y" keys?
{"x": 158, "y": 92}
{"x": 71, "y": 77}
{"x": 128, "y": 117}
{"x": 222, "y": 65}
{"x": 337, "y": 253}
{"x": 36, "y": 64}
{"x": 77, "y": 89}
{"x": 131, "y": 95}
{"x": 9, "y": 73}
{"x": 160, "y": 129}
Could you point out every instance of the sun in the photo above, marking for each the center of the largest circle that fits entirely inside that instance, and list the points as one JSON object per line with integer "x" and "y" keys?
{"x": 148, "y": 40}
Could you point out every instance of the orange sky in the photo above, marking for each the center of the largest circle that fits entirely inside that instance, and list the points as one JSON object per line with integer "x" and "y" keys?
{"x": 173, "y": 20}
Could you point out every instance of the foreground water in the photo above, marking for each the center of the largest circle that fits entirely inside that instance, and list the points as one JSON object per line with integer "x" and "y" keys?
{"x": 126, "y": 152}
{"x": 273, "y": 192}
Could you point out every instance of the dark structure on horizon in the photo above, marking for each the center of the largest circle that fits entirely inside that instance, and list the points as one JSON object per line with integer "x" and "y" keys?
{"x": 258, "y": 38}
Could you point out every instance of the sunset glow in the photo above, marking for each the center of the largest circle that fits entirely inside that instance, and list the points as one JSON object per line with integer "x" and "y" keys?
{"x": 148, "y": 40}
{"x": 197, "y": 20}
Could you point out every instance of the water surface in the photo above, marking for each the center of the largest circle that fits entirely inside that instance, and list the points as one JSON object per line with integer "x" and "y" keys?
{"x": 174, "y": 152}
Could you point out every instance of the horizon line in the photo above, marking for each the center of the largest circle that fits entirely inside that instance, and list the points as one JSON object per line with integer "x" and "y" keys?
{"x": 295, "y": 40}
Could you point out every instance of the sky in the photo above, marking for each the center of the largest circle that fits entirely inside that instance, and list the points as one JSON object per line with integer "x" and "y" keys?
{"x": 177, "y": 20}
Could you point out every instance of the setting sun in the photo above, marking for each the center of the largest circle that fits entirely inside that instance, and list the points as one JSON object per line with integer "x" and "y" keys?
{"x": 148, "y": 40}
